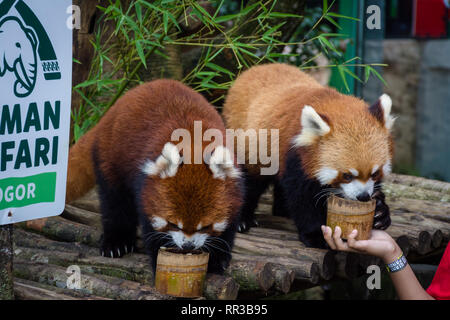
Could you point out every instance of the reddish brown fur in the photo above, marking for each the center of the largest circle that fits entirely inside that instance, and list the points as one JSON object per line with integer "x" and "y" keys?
{"x": 273, "y": 96}
{"x": 135, "y": 129}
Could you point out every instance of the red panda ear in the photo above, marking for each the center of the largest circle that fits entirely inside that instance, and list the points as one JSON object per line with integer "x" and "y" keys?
{"x": 314, "y": 126}
{"x": 381, "y": 110}
{"x": 222, "y": 165}
{"x": 166, "y": 165}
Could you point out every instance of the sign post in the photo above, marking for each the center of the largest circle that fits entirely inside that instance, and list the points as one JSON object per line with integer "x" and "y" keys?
{"x": 35, "y": 96}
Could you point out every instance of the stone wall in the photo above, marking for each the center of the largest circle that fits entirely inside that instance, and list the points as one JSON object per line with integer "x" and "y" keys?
{"x": 418, "y": 78}
{"x": 402, "y": 77}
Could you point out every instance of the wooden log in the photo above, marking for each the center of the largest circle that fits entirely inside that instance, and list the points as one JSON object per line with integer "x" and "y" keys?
{"x": 419, "y": 240}
{"x": 219, "y": 287}
{"x": 403, "y": 191}
{"x": 284, "y": 277}
{"x": 286, "y": 248}
{"x": 436, "y": 238}
{"x": 133, "y": 267}
{"x": 252, "y": 275}
{"x": 99, "y": 285}
{"x": 404, "y": 244}
{"x": 82, "y": 216}
{"x": 419, "y": 182}
{"x": 30, "y": 290}
{"x": 304, "y": 270}
{"x": 62, "y": 229}
{"x": 6, "y": 262}
{"x": 33, "y": 240}
{"x": 348, "y": 265}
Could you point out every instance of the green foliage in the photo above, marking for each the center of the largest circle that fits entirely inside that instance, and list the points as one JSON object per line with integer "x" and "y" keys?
{"x": 130, "y": 36}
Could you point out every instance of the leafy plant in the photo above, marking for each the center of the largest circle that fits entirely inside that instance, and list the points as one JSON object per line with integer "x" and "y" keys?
{"x": 230, "y": 38}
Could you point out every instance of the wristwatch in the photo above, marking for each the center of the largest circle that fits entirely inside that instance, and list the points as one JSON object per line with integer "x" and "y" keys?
{"x": 397, "y": 265}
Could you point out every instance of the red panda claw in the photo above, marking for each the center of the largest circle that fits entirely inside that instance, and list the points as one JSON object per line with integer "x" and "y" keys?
{"x": 112, "y": 255}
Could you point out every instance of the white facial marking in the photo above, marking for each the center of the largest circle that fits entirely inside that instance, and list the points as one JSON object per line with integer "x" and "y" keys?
{"x": 386, "y": 104}
{"x": 220, "y": 226}
{"x": 387, "y": 168}
{"x": 356, "y": 187}
{"x": 354, "y": 172}
{"x": 313, "y": 126}
{"x": 158, "y": 223}
{"x": 198, "y": 239}
{"x": 326, "y": 175}
{"x": 222, "y": 165}
{"x": 199, "y": 226}
{"x": 178, "y": 238}
{"x": 166, "y": 165}
{"x": 375, "y": 168}
{"x": 180, "y": 224}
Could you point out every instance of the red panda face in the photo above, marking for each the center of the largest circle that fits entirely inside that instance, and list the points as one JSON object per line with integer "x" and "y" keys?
{"x": 187, "y": 203}
{"x": 351, "y": 152}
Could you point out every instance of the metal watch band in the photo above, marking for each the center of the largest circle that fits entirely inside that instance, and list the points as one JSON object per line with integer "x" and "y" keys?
{"x": 397, "y": 265}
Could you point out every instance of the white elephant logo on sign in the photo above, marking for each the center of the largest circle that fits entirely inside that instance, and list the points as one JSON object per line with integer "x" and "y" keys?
{"x": 18, "y": 54}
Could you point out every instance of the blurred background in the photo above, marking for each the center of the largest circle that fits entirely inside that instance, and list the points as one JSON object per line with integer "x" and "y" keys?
{"x": 365, "y": 48}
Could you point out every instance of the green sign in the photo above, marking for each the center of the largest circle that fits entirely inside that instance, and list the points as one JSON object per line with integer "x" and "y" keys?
{"x": 35, "y": 100}
{"x": 21, "y": 192}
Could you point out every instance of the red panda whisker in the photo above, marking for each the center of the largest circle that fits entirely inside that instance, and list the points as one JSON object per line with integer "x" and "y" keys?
{"x": 215, "y": 246}
{"x": 220, "y": 240}
{"x": 156, "y": 235}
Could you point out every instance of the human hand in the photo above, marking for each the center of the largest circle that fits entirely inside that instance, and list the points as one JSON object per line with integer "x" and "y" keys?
{"x": 380, "y": 244}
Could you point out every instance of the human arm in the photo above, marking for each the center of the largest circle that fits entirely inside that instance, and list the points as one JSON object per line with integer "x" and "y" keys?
{"x": 384, "y": 247}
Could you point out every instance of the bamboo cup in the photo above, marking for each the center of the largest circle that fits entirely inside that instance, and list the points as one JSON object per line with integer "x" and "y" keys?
{"x": 350, "y": 215}
{"x": 181, "y": 274}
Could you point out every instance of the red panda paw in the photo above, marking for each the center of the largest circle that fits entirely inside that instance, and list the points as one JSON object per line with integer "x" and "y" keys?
{"x": 382, "y": 217}
{"x": 245, "y": 226}
{"x": 116, "y": 251}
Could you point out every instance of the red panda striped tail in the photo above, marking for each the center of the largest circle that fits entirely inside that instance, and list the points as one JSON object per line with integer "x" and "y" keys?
{"x": 80, "y": 176}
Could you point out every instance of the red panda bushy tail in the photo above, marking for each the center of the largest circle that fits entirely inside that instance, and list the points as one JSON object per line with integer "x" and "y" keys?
{"x": 80, "y": 176}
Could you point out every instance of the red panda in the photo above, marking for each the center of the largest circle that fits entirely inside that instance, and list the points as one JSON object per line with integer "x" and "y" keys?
{"x": 328, "y": 142}
{"x": 145, "y": 178}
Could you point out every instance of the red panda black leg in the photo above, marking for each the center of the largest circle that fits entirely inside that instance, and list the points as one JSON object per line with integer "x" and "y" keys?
{"x": 254, "y": 188}
{"x": 152, "y": 241}
{"x": 382, "y": 217}
{"x": 119, "y": 218}
{"x": 220, "y": 254}
{"x": 303, "y": 202}
{"x": 119, "y": 224}
{"x": 278, "y": 206}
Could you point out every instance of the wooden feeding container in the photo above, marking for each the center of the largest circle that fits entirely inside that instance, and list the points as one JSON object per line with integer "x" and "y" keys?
{"x": 350, "y": 215}
{"x": 180, "y": 273}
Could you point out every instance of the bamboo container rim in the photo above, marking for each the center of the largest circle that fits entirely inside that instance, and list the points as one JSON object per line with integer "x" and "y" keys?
{"x": 167, "y": 257}
{"x": 349, "y": 207}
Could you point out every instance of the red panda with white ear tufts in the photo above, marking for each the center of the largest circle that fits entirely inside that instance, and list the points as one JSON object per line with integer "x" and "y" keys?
{"x": 143, "y": 177}
{"x": 328, "y": 143}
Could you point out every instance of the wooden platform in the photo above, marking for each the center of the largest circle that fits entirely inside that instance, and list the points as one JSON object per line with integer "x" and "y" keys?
{"x": 268, "y": 260}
